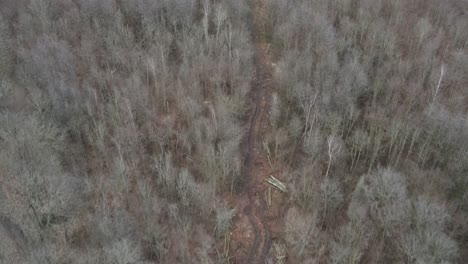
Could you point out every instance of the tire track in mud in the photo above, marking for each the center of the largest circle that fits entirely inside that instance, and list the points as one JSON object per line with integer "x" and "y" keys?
{"x": 254, "y": 155}
{"x": 255, "y": 210}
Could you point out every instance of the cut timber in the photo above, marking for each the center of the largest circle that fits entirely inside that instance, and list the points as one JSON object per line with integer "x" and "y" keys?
{"x": 277, "y": 183}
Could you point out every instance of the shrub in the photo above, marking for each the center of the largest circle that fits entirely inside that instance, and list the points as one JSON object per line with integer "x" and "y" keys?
{"x": 108, "y": 227}
{"x": 124, "y": 251}
{"x": 351, "y": 243}
{"x": 156, "y": 242}
{"x": 305, "y": 186}
{"x": 192, "y": 194}
{"x": 50, "y": 66}
{"x": 330, "y": 200}
{"x": 224, "y": 217}
{"x": 301, "y": 230}
{"x": 165, "y": 172}
{"x": 429, "y": 215}
{"x": 186, "y": 187}
{"x": 42, "y": 194}
{"x": 428, "y": 246}
{"x": 386, "y": 194}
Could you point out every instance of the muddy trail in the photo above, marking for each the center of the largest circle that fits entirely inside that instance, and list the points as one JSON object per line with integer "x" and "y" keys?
{"x": 255, "y": 233}
{"x": 254, "y": 167}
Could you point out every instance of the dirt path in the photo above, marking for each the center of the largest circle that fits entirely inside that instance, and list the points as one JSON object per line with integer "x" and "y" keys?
{"x": 254, "y": 168}
{"x": 253, "y": 237}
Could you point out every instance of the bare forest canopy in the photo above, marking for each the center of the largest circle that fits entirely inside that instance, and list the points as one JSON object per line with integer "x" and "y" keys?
{"x": 122, "y": 125}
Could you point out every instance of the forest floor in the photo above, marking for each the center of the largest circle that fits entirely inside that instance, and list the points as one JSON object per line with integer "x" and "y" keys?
{"x": 257, "y": 223}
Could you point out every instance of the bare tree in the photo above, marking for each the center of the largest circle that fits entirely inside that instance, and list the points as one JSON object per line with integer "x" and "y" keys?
{"x": 443, "y": 70}
{"x": 334, "y": 148}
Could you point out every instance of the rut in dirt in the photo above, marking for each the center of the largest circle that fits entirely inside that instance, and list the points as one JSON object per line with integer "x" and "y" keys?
{"x": 253, "y": 170}
{"x": 255, "y": 211}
